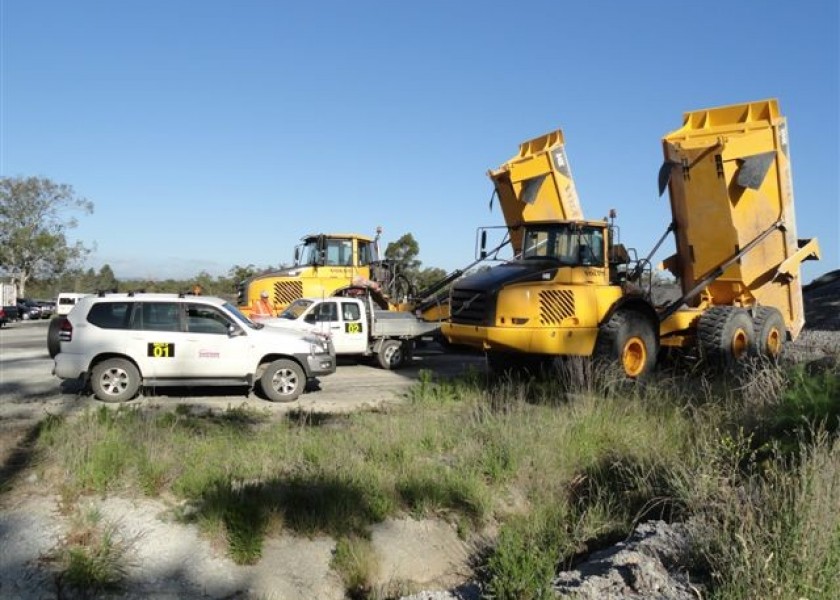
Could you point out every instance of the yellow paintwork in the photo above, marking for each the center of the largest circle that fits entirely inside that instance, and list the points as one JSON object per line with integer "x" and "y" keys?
{"x": 308, "y": 281}
{"x": 524, "y": 323}
{"x": 716, "y": 216}
{"x": 555, "y": 199}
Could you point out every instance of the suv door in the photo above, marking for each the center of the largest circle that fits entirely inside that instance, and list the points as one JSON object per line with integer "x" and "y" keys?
{"x": 157, "y": 326}
{"x": 211, "y": 350}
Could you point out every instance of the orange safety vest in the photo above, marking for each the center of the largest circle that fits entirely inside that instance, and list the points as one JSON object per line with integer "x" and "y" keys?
{"x": 262, "y": 309}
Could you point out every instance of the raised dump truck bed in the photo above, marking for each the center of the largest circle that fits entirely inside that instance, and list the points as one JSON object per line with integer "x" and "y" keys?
{"x": 536, "y": 185}
{"x": 729, "y": 177}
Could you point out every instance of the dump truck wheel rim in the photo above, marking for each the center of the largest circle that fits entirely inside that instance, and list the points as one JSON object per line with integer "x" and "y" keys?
{"x": 740, "y": 343}
{"x": 634, "y": 356}
{"x": 774, "y": 342}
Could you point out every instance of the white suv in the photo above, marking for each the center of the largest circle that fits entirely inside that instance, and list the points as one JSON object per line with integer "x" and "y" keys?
{"x": 121, "y": 342}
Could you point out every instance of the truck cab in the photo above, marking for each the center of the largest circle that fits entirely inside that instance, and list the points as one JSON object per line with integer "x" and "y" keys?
{"x": 323, "y": 263}
{"x": 355, "y": 326}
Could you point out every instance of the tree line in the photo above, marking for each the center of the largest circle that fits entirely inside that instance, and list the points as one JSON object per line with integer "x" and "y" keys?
{"x": 36, "y": 215}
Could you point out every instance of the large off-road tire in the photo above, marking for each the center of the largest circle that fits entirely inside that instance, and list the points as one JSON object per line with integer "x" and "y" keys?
{"x": 725, "y": 334}
{"x": 770, "y": 332}
{"x": 630, "y": 340}
{"x": 283, "y": 381}
{"x": 392, "y": 354}
{"x": 53, "y": 341}
{"x": 115, "y": 380}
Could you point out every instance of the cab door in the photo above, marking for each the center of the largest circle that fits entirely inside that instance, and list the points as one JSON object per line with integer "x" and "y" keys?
{"x": 349, "y": 336}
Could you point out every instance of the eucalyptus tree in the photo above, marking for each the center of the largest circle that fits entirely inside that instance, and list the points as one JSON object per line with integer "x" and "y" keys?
{"x": 36, "y": 215}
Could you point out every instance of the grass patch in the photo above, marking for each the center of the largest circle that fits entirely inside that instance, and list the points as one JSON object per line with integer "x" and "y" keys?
{"x": 93, "y": 557}
{"x": 557, "y": 466}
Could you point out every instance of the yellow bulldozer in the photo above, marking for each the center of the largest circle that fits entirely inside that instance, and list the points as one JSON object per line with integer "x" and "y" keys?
{"x": 573, "y": 290}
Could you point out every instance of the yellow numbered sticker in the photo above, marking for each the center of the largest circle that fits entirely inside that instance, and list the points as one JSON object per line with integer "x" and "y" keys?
{"x": 161, "y": 350}
{"x": 353, "y": 327}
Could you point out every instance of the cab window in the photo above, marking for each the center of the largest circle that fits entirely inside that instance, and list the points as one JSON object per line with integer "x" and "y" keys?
{"x": 350, "y": 311}
{"x": 327, "y": 311}
{"x": 365, "y": 253}
{"x": 339, "y": 252}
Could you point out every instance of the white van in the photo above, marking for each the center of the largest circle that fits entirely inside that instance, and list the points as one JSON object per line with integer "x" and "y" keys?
{"x": 66, "y": 301}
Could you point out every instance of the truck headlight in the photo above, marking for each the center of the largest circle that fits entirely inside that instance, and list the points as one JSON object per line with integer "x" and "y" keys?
{"x": 319, "y": 345}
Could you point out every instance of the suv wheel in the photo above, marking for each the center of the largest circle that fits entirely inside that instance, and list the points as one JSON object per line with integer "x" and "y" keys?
{"x": 115, "y": 380}
{"x": 283, "y": 381}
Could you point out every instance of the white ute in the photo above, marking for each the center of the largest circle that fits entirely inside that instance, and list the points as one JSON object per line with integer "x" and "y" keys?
{"x": 122, "y": 342}
{"x": 356, "y": 327}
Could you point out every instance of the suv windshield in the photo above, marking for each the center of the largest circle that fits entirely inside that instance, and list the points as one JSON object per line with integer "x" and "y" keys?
{"x": 569, "y": 243}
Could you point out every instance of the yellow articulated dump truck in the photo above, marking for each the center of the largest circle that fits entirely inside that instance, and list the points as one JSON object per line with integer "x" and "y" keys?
{"x": 323, "y": 264}
{"x": 574, "y": 290}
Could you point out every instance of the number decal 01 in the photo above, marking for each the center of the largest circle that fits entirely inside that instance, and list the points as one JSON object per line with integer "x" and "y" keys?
{"x": 161, "y": 350}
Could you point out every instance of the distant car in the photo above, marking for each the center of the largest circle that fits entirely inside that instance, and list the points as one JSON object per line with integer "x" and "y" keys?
{"x": 47, "y": 308}
{"x": 66, "y": 301}
{"x": 119, "y": 343}
{"x": 12, "y": 313}
{"x": 29, "y": 309}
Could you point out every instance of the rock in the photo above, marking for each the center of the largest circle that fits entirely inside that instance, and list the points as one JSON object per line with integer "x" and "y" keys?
{"x": 646, "y": 566}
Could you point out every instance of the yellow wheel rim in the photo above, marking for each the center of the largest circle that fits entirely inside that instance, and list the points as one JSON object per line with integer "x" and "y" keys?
{"x": 773, "y": 343}
{"x": 740, "y": 344}
{"x": 634, "y": 357}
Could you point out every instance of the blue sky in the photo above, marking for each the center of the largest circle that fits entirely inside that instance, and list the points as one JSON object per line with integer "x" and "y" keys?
{"x": 211, "y": 134}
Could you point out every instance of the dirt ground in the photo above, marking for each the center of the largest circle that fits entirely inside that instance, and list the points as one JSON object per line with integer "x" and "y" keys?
{"x": 171, "y": 560}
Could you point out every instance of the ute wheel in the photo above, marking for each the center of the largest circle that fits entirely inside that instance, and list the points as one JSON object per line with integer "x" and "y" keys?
{"x": 629, "y": 339}
{"x": 391, "y": 355}
{"x": 725, "y": 334}
{"x": 283, "y": 381}
{"x": 115, "y": 380}
{"x": 53, "y": 341}
{"x": 770, "y": 332}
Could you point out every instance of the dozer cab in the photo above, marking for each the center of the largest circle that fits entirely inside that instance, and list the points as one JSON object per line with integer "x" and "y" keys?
{"x": 573, "y": 290}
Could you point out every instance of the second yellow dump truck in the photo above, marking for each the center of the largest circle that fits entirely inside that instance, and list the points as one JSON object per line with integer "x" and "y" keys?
{"x": 323, "y": 265}
{"x": 572, "y": 289}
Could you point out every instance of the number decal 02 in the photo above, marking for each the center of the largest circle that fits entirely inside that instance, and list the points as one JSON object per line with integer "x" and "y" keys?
{"x": 353, "y": 327}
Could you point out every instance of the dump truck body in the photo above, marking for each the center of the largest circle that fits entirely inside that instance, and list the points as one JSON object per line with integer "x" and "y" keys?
{"x": 730, "y": 184}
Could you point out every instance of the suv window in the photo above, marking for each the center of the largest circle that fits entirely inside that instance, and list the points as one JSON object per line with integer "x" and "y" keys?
{"x": 110, "y": 315}
{"x": 206, "y": 319}
{"x": 158, "y": 316}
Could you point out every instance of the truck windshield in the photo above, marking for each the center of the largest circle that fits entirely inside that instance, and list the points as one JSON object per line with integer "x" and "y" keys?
{"x": 295, "y": 309}
{"x": 337, "y": 252}
{"x": 568, "y": 243}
